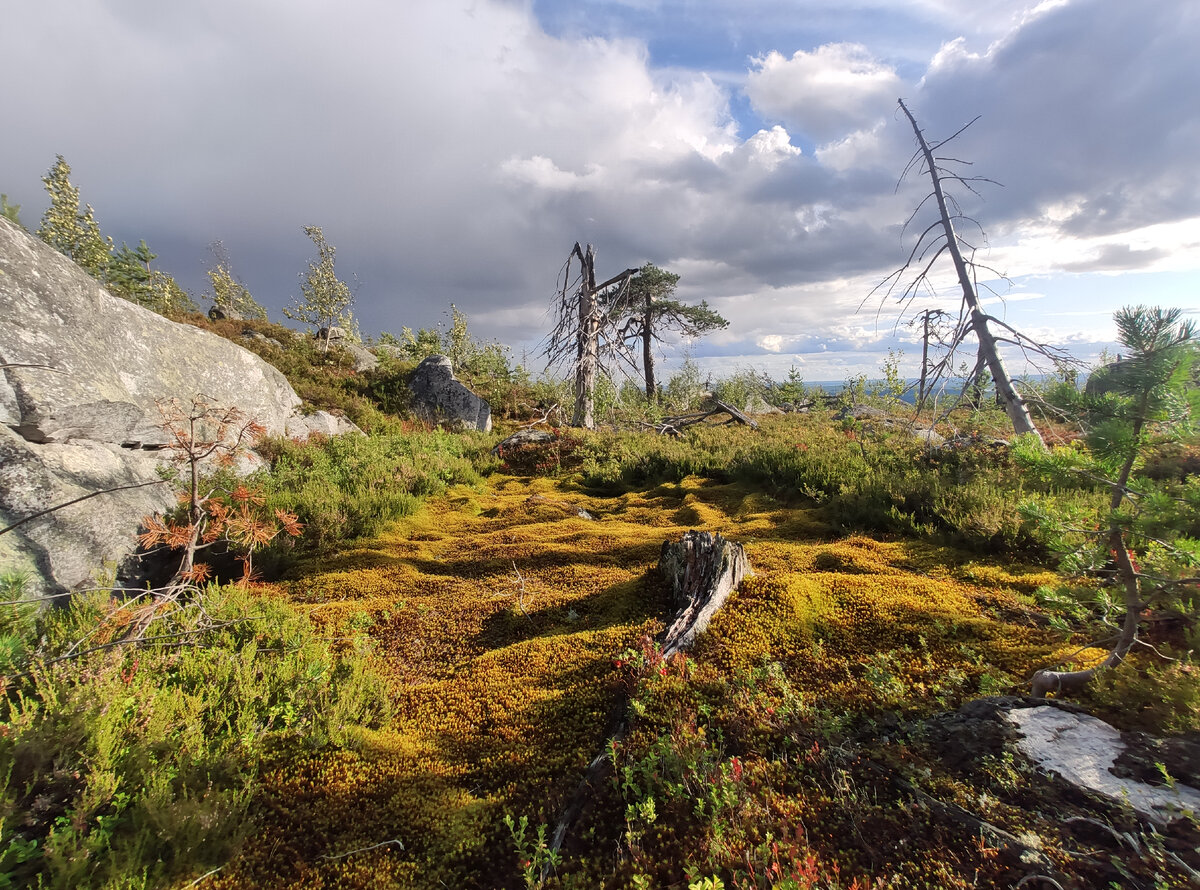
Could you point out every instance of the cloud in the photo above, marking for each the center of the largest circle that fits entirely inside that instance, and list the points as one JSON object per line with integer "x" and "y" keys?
{"x": 1114, "y": 257}
{"x": 825, "y": 94}
{"x": 454, "y": 151}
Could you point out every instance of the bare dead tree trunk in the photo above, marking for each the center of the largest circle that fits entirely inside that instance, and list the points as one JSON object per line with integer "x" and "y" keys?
{"x": 587, "y": 359}
{"x": 1014, "y": 405}
{"x": 924, "y": 359}
{"x": 584, "y": 332}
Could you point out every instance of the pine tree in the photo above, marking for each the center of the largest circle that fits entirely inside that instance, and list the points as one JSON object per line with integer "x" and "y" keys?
{"x": 70, "y": 231}
{"x": 129, "y": 273}
{"x": 653, "y": 308}
{"x": 1142, "y": 548}
{"x": 325, "y": 299}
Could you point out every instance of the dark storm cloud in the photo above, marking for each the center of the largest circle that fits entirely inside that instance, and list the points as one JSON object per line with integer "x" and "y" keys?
{"x": 455, "y": 151}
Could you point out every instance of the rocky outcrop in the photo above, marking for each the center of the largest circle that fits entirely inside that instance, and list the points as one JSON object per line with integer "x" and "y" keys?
{"x": 439, "y": 398}
{"x": 320, "y": 422}
{"x": 84, "y": 373}
{"x": 364, "y": 360}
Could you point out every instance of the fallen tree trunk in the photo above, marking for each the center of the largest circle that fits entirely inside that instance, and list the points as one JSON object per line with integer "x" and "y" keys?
{"x": 671, "y": 426}
{"x": 703, "y": 568}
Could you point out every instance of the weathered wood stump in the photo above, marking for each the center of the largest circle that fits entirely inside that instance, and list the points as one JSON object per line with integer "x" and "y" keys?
{"x": 703, "y": 568}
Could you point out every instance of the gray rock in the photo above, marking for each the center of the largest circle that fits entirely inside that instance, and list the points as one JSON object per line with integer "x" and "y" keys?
{"x": 363, "y": 359}
{"x": 79, "y": 403}
{"x": 861, "y": 412}
{"x": 111, "y": 358}
{"x": 304, "y": 425}
{"x": 70, "y": 547}
{"x": 439, "y": 398}
{"x": 527, "y": 436}
{"x": 757, "y": 405}
{"x": 333, "y": 334}
{"x": 1083, "y": 750}
{"x": 931, "y": 438}
{"x": 224, "y": 313}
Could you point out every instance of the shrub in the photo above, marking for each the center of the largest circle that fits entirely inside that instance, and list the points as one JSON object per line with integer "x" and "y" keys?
{"x": 132, "y": 767}
{"x": 350, "y": 487}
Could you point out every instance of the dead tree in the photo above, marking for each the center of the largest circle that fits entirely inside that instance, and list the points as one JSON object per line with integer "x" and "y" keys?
{"x": 584, "y": 334}
{"x": 941, "y": 237}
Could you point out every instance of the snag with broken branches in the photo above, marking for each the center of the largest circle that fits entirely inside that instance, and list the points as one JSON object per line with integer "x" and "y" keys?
{"x": 585, "y": 337}
{"x": 939, "y": 237}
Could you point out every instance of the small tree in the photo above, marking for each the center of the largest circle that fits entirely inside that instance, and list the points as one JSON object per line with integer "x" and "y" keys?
{"x": 1142, "y": 546}
{"x": 11, "y": 212}
{"x": 229, "y": 295}
{"x": 130, "y": 277}
{"x": 70, "y": 231}
{"x": 201, "y": 431}
{"x": 129, "y": 273}
{"x": 654, "y": 309}
{"x": 325, "y": 299}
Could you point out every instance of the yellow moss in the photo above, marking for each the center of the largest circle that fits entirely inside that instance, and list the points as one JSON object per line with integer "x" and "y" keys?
{"x": 499, "y": 624}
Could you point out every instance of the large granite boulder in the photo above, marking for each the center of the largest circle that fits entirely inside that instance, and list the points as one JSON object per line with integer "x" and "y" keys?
{"x": 83, "y": 374}
{"x": 439, "y": 398}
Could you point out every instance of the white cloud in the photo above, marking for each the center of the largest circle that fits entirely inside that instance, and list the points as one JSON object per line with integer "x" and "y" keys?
{"x": 825, "y": 94}
{"x": 455, "y": 150}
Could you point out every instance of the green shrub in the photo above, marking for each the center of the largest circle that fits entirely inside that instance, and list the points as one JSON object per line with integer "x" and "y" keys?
{"x": 130, "y": 767}
{"x": 350, "y": 487}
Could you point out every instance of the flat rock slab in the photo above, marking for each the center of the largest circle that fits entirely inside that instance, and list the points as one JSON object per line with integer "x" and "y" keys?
{"x": 1083, "y": 750}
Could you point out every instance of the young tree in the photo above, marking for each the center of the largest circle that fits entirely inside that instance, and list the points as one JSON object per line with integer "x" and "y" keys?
{"x": 941, "y": 237}
{"x": 11, "y": 212}
{"x": 229, "y": 295}
{"x": 70, "y": 231}
{"x": 325, "y": 299}
{"x": 1148, "y": 395}
{"x": 129, "y": 276}
{"x": 653, "y": 308}
{"x": 200, "y": 432}
{"x": 129, "y": 273}
{"x": 585, "y": 332}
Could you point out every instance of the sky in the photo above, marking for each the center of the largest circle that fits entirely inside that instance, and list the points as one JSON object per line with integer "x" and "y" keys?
{"x": 454, "y": 151}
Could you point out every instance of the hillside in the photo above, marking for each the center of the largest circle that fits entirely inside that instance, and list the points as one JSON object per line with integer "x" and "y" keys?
{"x": 375, "y": 715}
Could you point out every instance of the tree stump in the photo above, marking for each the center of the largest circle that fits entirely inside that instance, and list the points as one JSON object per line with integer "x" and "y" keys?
{"x": 703, "y": 568}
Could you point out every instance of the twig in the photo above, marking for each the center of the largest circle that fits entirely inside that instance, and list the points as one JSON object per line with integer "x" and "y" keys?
{"x": 21, "y": 522}
{"x": 207, "y": 874}
{"x": 399, "y": 843}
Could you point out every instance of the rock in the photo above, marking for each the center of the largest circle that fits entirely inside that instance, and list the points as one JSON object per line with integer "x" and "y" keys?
{"x": 861, "y": 412}
{"x": 756, "y": 404}
{"x": 930, "y": 438}
{"x": 1083, "y": 750}
{"x": 363, "y": 359}
{"x": 304, "y": 425}
{"x": 79, "y": 406}
{"x": 224, "y": 313}
{"x": 439, "y": 398}
{"x": 334, "y": 334}
{"x": 67, "y": 548}
{"x": 527, "y": 436}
